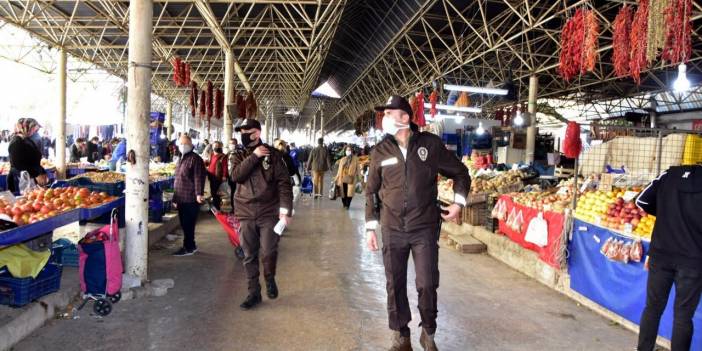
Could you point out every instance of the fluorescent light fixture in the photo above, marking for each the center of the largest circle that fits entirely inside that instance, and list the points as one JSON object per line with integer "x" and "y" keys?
{"x": 455, "y": 117}
{"x": 478, "y": 90}
{"x": 519, "y": 120}
{"x": 480, "y": 130}
{"x": 681, "y": 84}
{"x": 455, "y": 108}
{"x": 326, "y": 90}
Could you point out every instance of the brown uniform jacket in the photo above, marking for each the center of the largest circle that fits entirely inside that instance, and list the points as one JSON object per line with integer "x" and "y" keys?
{"x": 407, "y": 189}
{"x": 263, "y": 185}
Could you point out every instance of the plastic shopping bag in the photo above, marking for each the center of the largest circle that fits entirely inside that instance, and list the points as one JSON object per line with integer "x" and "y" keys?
{"x": 537, "y": 232}
{"x": 26, "y": 183}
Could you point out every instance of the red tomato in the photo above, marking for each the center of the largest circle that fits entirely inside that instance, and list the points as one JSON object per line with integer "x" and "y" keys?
{"x": 17, "y": 219}
{"x": 44, "y": 210}
{"x": 37, "y": 205}
{"x": 17, "y": 211}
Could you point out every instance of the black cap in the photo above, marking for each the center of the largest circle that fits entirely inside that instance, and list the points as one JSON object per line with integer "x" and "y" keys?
{"x": 396, "y": 102}
{"x": 248, "y": 124}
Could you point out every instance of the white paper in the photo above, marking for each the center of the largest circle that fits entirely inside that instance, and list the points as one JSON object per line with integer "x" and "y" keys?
{"x": 279, "y": 227}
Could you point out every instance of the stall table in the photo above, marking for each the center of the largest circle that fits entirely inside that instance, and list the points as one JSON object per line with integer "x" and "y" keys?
{"x": 548, "y": 254}
{"x": 618, "y": 287}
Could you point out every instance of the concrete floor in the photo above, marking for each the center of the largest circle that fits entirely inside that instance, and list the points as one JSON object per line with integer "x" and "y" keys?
{"x": 332, "y": 298}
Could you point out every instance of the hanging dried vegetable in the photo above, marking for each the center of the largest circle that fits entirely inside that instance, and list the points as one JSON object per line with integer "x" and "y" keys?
{"x": 209, "y": 100}
{"x": 579, "y": 44}
{"x": 413, "y": 104}
{"x": 187, "y": 74}
{"x": 240, "y": 106}
{"x": 678, "y": 44}
{"x": 637, "y": 41}
{"x": 193, "y": 98}
{"x": 251, "y": 107}
{"x": 419, "y": 116}
{"x": 203, "y": 104}
{"x": 433, "y": 99}
{"x": 620, "y": 41}
{"x": 655, "y": 36}
{"x": 592, "y": 32}
{"x": 219, "y": 103}
{"x": 463, "y": 100}
{"x": 572, "y": 37}
{"x": 178, "y": 74}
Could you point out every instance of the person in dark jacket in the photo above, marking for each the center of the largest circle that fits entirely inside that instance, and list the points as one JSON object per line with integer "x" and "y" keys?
{"x": 675, "y": 255}
{"x": 77, "y": 150}
{"x": 25, "y": 154}
{"x": 402, "y": 185}
{"x": 282, "y": 146}
{"x": 189, "y": 193}
{"x": 93, "y": 150}
{"x": 263, "y": 197}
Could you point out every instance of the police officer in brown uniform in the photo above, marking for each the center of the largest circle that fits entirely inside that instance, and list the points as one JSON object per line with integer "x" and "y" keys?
{"x": 401, "y": 193}
{"x": 263, "y": 197}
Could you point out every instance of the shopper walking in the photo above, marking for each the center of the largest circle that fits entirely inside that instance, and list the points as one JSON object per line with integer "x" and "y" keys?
{"x": 217, "y": 172}
{"x": 319, "y": 163}
{"x": 675, "y": 255}
{"x": 189, "y": 193}
{"x": 263, "y": 197}
{"x": 282, "y": 146}
{"x": 346, "y": 176}
{"x": 25, "y": 154}
{"x": 402, "y": 184}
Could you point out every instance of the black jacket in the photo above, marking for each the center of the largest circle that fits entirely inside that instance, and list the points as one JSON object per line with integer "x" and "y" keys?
{"x": 93, "y": 152}
{"x": 407, "y": 189}
{"x": 675, "y": 198}
{"x": 76, "y": 153}
{"x": 263, "y": 185}
{"x": 25, "y": 155}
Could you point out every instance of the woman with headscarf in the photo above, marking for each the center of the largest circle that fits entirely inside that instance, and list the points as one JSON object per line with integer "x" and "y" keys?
{"x": 25, "y": 154}
{"x": 282, "y": 146}
{"x": 346, "y": 176}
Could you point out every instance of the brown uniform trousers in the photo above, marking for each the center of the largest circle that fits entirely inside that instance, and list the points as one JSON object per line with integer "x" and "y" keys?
{"x": 257, "y": 234}
{"x": 397, "y": 246}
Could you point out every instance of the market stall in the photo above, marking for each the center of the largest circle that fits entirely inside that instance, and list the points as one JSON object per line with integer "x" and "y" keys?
{"x": 617, "y": 282}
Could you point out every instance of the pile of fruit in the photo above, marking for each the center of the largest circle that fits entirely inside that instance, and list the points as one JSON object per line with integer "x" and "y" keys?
{"x": 102, "y": 177}
{"x": 41, "y": 204}
{"x": 162, "y": 169}
{"x": 4, "y": 167}
{"x": 610, "y": 210}
{"x": 504, "y": 180}
{"x": 544, "y": 201}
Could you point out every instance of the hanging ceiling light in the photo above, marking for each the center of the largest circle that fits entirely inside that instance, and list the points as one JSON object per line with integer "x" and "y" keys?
{"x": 519, "y": 120}
{"x": 455, "y": 108}
{"x": 480, "y": 130}
{"x": 681, "y": 84}
{"x": 454, "y": 117}
{"x": 478, "y": 90}
{"x": 163, "y": 135}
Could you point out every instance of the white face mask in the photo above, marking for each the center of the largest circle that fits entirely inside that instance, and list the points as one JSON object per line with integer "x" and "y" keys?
{"x": 184, "y": 149}
{"x": 349, "y": 153}
{"x": 390, "y": 127}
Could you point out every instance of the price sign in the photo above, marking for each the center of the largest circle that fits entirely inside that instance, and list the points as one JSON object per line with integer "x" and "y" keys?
{"x": 629, "y": 195}
{"x": 606, "y": 181}
{"x": 628, "y": 228}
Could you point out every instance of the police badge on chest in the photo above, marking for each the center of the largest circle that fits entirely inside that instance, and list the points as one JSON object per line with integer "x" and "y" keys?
{"x": 423, "y": 153}
{"x": 266, "y": 163}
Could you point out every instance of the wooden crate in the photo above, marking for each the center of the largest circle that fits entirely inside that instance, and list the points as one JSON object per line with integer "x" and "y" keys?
{"x": 475, "y": 214}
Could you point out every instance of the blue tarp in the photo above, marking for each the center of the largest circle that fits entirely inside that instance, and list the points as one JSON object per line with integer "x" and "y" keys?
{"x": 619, "y": 287}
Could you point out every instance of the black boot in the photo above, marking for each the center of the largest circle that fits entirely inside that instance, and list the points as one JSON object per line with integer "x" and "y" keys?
{"x": 251, "y": 301}
{"x": 271, "y": 288}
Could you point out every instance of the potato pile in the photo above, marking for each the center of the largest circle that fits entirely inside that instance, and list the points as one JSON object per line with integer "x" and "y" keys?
{"x": 102, "y": 177}
{"x": 493, "y": 185}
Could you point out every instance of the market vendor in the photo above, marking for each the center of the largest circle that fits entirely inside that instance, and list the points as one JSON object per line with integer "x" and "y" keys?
{"x": 25, "y": 154}
{"x": 119, "y": 153}
{"x": 402, "y": 183}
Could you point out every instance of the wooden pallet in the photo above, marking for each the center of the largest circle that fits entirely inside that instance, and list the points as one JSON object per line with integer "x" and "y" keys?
{"x": 465, "y": 243}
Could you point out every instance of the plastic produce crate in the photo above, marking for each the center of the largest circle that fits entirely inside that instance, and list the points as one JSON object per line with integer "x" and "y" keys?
{"x": 65, "y": 253}
{"x": 18, "y": 292}
{"x": 3, "y": 182}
